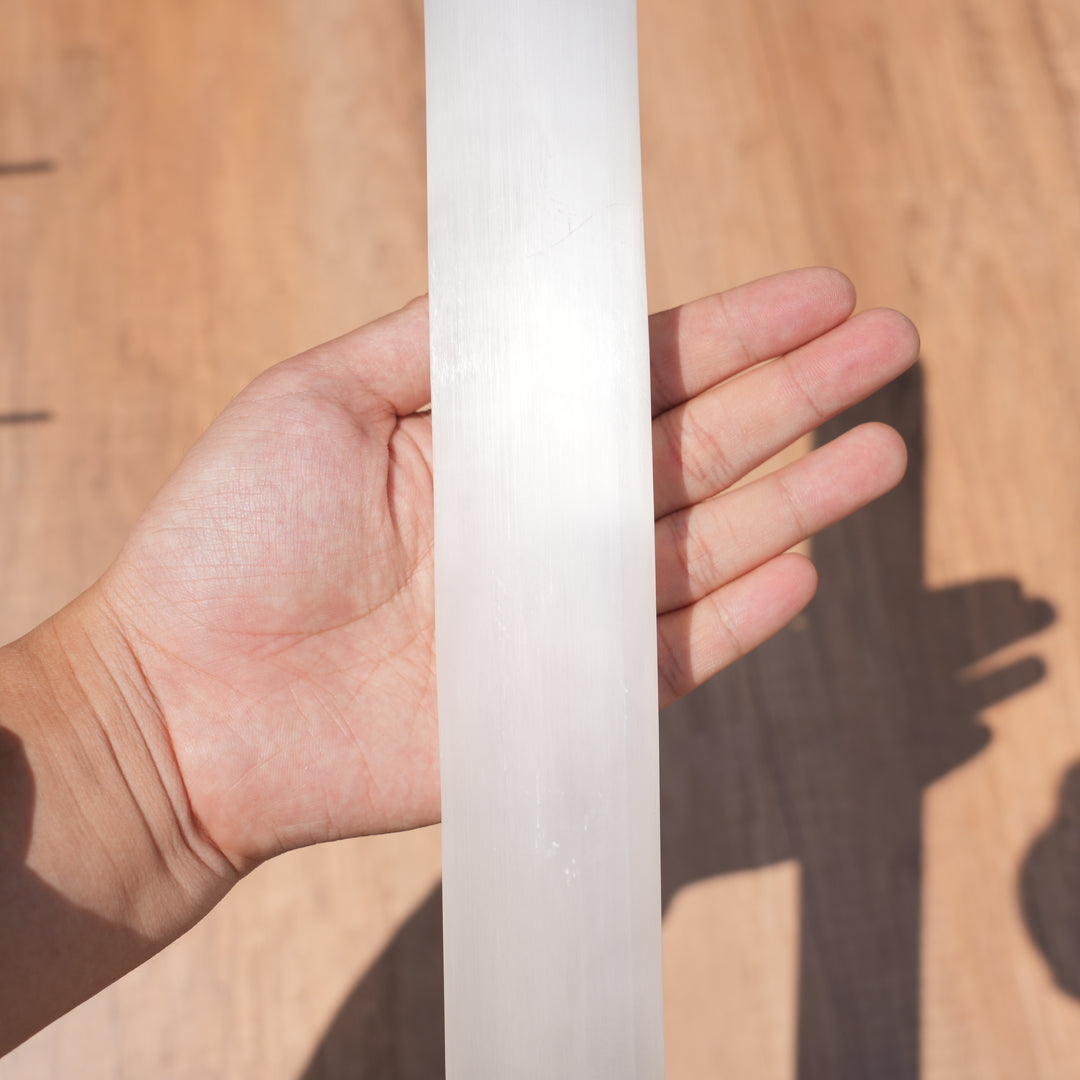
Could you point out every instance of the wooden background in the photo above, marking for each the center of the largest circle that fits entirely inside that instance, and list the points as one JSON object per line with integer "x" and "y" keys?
{"x": 872, "y": 826}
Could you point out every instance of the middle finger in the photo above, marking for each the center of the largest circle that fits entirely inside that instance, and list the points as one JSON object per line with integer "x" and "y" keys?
{"x": 716, "y": 438}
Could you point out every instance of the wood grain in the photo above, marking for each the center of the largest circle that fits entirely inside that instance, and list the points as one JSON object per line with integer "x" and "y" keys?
{"x": 871, "y": 857}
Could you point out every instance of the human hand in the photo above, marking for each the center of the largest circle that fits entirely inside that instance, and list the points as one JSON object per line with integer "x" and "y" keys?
{"x": 278, "y": 593}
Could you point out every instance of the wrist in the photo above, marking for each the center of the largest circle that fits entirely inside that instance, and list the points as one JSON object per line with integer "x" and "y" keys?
{"x": 102, "y": 862}
{"x": 119, "y": 757}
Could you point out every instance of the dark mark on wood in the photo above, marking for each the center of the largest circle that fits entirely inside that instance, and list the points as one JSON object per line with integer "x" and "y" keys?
{"x": 26, "y": 168}
{"x": 39, "y": 417}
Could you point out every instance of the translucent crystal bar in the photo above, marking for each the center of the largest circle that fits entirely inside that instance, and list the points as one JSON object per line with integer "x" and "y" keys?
{"x": 545, "y": 593}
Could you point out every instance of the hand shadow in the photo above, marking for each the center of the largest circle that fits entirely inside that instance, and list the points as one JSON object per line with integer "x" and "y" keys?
{"x": 1050, "y": 888}
{"x": 817, "y": 747}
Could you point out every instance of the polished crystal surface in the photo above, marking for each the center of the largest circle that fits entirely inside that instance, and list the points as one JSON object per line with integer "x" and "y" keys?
{"x": 545, "y": 593}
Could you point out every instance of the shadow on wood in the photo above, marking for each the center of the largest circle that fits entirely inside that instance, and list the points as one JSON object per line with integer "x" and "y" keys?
{"x": 1050, "y": 888}
{"x": 817, "y": 748}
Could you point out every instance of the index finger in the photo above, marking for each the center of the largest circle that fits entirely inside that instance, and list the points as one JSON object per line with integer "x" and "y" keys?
{"x": 704, "y": 342}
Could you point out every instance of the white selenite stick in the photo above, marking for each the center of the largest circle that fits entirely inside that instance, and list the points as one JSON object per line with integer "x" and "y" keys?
{"x": 545, "y": 592}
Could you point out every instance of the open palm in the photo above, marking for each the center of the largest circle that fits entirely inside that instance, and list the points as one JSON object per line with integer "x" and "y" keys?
{"x": 278, "y": 593}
